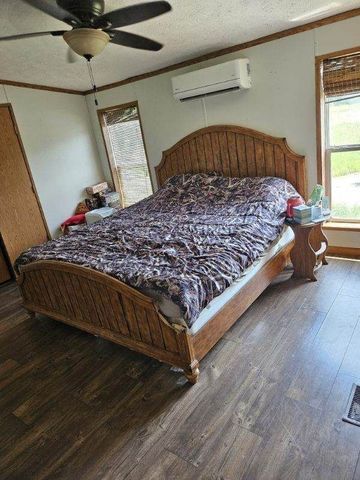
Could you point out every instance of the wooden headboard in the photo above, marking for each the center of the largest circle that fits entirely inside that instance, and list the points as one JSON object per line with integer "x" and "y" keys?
{"x": 234, "y": 151}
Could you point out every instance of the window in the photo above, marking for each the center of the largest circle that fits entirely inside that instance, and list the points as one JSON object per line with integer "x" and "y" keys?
{"x": 341, "y": 85}
{"x": 343, "y": 157}
{"x": 126, "y": 152}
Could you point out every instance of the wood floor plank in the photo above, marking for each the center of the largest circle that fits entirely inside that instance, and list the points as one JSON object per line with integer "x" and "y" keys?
{"x": 239, "y": 390}
{"x": 277, "y": 302}
{"x": 284, "y": 449}
{"x": 351, "y": 285}
{"x": 351, "y": 360}
{"x": 194, "y": 439}
{"x": 234, "y": 465}
{"x": 11, "y": 430}
{"x": 230, "y": 453}
{"x": 163, "y": 466}
{"x": 11, "y": 320}
{"x": 9, "y": 296}
{"x": 357, "y": 470}
{"x": 125, "y": 434}
{"x": 335, "y": 448}
{"x": 268, "y": 404}
{"x": 264, "y": 389}
{"x": 15, "y": 394}
{"x": 51, "y": 438}
{"x": 304, "y": 443}
{"x": 317, "y": 373}
{"x": 321, "y": 295}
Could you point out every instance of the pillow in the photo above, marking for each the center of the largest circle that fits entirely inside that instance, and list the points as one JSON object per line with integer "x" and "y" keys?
{"x": 245, "y": 185}
{"x": 190, "y": 178}
{"x": 211, "y": 193}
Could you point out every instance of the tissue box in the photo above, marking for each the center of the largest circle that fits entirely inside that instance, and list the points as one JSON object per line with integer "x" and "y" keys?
{"x": 302, "y": 214}
{"x": 302, "y": 211}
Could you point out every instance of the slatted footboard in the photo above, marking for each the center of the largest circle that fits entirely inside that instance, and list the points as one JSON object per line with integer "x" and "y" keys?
{"x": 104, "y": 306}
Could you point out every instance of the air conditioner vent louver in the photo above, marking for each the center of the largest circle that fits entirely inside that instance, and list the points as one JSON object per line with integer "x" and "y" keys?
{"x": 211, "y": 94}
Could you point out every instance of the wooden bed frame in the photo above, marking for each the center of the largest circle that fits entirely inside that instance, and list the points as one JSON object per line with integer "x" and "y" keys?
{"x": 104, "y": 306}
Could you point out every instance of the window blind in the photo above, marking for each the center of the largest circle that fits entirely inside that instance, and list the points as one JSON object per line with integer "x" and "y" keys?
{"x": 128, "y": 154}
{"x": 341, "y": 76}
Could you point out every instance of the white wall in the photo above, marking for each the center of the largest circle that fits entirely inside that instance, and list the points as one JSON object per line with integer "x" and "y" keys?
{"x": 281, "y": 101}
{"x": 60, "y": 148}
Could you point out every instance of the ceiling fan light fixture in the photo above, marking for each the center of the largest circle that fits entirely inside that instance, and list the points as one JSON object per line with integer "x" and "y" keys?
{"x": 87, "y": 42}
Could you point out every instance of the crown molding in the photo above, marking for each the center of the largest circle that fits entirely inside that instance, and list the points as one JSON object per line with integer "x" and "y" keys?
{"x": 34, "y": 86}
{"x": 240, "y": 46}
{"x": 217, "y": 53}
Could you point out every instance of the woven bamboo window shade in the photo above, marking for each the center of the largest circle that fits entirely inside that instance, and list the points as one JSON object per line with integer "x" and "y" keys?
{"x": 112, "y": 117}
{"x": 129, "y": 163}
{"x": 341, "y": 76}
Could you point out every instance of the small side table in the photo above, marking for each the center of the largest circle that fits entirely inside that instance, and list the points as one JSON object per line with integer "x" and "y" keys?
{"x": 308, "y": 253}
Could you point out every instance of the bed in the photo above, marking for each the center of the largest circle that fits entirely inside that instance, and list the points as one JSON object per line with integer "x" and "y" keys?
{"x": 97, "y": 302}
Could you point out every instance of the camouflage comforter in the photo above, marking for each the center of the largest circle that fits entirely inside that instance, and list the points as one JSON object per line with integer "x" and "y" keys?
{"x": 189, "y": 241}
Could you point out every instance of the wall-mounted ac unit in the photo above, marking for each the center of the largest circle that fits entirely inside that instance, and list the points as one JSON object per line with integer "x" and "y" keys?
{"x": 225, "y": 77}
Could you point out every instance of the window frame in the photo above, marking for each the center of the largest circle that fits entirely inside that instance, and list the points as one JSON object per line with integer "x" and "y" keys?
{"x": 323, "y": 149}
{"x": 108, "y": 149}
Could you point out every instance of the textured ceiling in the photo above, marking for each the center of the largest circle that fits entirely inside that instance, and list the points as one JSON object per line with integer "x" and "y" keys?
{"x": 193, "y": 28}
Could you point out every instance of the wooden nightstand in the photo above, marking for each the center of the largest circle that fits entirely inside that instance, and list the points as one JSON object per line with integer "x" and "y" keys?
{"x": 309, "y": 250}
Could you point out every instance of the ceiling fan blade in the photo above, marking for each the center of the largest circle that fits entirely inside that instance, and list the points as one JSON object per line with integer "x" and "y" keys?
{"x": 134, "y": 41}
{"x": 51, "y": 8}
{"x": 133, "y": 14}
{"x": 35, "y": 34}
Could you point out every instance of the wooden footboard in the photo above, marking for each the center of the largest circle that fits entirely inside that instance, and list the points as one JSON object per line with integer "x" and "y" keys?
{"x": 104, "y": 306}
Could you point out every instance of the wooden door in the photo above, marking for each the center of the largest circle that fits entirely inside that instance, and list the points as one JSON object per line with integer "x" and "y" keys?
{"x": 21, "y": 219}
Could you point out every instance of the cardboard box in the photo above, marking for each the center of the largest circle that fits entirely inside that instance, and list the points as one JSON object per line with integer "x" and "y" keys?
{"x": 99, "y": 187}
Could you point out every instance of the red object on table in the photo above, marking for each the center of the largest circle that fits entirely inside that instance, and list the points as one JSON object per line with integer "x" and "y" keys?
{"x": 291, "y": 203}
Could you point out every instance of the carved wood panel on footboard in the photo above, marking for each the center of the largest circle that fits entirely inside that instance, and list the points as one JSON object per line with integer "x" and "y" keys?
{"x": 104, "y": 306}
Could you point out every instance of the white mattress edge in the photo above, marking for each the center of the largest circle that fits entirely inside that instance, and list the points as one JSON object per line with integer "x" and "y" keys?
{"x": 215, "y": 305}
{"x": 171, "y": 311}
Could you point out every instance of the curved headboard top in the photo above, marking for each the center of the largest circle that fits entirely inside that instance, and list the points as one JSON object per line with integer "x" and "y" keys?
{"x": 233, "y": 151}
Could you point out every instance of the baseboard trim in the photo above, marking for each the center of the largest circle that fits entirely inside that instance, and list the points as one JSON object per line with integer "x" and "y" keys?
{"x": 346, "y": 252}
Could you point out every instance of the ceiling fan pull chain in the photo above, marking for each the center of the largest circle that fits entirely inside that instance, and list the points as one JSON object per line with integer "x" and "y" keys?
{"x": 92, "y": 80}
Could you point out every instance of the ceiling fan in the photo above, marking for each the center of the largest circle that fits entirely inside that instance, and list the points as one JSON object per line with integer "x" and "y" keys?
{"x": 92, "y": 29}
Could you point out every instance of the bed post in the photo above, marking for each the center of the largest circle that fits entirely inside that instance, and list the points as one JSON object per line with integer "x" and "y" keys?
{"x": 192, "y": 374}
{"x": 187, "y": 353}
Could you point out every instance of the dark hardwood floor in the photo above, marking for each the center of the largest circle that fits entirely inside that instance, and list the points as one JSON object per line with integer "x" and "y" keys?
{"x": 268, "y": 404}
